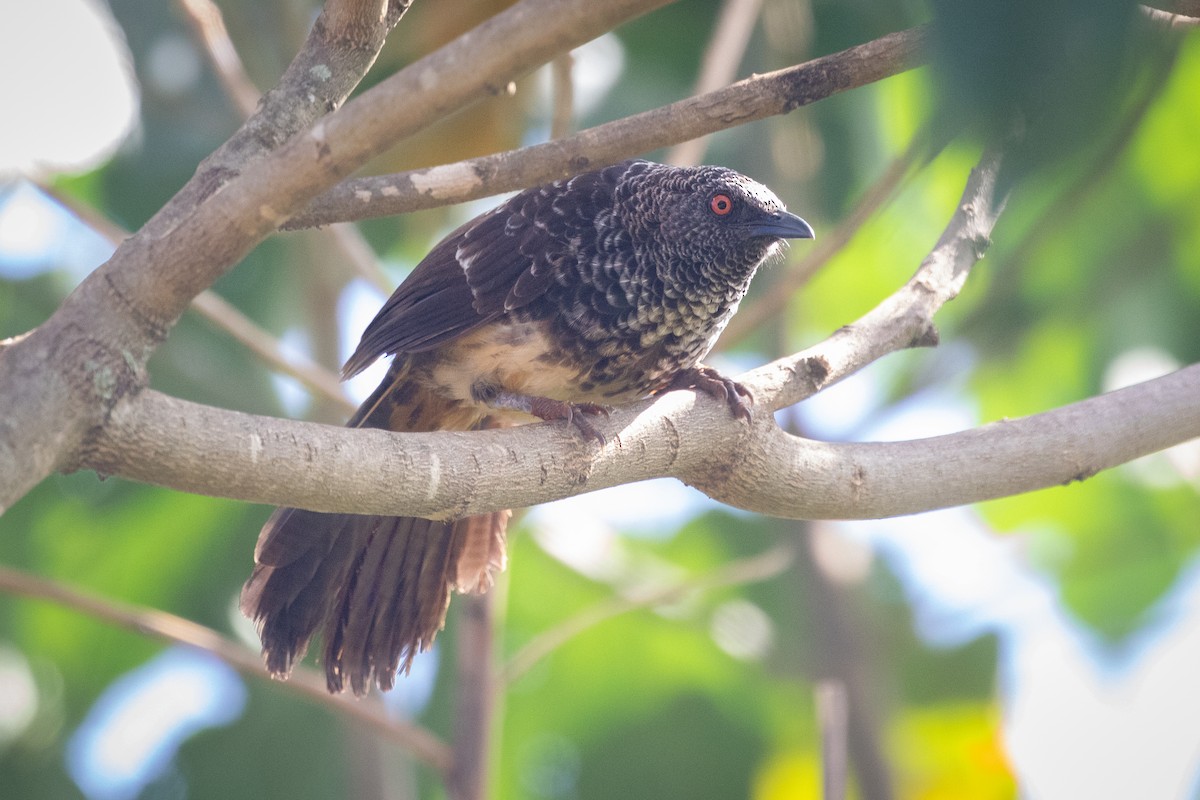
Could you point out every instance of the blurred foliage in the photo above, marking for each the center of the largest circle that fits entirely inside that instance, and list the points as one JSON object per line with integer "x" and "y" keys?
{"x": 1098, "y": 254}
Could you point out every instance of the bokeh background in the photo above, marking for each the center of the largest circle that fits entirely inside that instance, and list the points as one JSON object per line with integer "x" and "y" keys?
{"x": 1044, "y": 645}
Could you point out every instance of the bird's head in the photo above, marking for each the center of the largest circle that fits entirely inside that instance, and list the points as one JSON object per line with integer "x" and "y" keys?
{"x": 713, "y": 219}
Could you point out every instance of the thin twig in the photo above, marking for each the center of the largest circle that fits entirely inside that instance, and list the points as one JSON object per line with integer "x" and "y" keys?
{"x": 562, "y": 112}
{"x": 730, "y": 37}
{"x": 832, "y": 716}
{"x": 208, "y": 25}
{"x": 360, "y": 255}
{"x": 754, "y": 569}
{"x": 224, "y": 315}
{"x": 271, "y": 350}
{"x": 89, "y": 216}
{"x": 172, "y": 629}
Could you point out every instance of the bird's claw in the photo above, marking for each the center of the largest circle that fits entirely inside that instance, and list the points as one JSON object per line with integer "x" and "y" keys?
{"x": 717, "y": 386}
{"x": 575, "y": 414}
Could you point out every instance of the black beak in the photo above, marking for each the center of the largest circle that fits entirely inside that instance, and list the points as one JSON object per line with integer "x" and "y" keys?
{"x": 783, "y": 225}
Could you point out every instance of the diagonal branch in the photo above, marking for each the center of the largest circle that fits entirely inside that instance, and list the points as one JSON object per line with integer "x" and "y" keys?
{"x": 226, "y": 316}
{"x": 271, "y": 350}
{"x": 61, "y": 381}
{"x": 340, "y": 49}
{"x": 748, "y": 100}
{"x": 906, "y": 318}
{"x": 726, "y": 48}
{"x": 209, "y": 27}
{"x": 175, "y": 630}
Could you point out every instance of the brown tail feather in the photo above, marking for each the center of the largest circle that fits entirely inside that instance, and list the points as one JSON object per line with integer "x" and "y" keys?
{"x": 484, "y": 551}
{"x": 377, "y": 588}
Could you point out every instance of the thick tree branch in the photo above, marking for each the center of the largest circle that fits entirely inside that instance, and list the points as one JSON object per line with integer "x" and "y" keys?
{"x": 748, "y": 100}
{"x": 1072, "y": 443}
{"x": 1177, "y": 14}
{"x": 209, "y": 28}
{"x": 269, "y": 190}
{"x": 158, "y": 439}
{"x": 61, "y": 381}
{"x": 1190, "y": 8}
{"x": 343, "y": 44}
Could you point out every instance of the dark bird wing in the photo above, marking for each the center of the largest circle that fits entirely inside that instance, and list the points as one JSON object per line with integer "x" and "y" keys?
{"x": 493, "y": 264}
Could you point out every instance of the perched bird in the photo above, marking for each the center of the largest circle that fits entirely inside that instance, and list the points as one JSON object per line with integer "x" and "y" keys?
{"x": 565, "y": 299}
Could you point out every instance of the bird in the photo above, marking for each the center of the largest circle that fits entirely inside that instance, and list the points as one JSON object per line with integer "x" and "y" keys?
{"x": 561, "y": 302}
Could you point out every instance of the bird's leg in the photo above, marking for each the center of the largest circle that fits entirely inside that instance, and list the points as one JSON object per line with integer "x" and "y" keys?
{"x": 546, "y": 408}
{"x": 716, "y": 385}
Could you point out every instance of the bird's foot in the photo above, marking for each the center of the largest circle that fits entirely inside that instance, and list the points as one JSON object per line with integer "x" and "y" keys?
{"x": 717, "y": 386}
{"x": 574, "y": 413}
{"x": 546, "y": 408}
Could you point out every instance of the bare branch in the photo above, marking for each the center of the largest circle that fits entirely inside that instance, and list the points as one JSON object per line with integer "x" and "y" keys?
{"x": 340, "y": 48}
{"x": 730, "y": 37}
{"x": 562, "y": 114}
{"x": 906, "y": 318}
{"x": 1177, "y": 14}
{"x": 158, "y": 439}
{"x": 227, "y": 317}
{"x": 1189, "y": 8}
{"x": 162, "y": 440}
{"x": 171, "y": 629}
{"x": 1003, "y": 458}
{"x": 752, "y": 99}
{"x": 209, "y": 27}
{"x": 60, "y": 381}
{"x": 268, "y": 348}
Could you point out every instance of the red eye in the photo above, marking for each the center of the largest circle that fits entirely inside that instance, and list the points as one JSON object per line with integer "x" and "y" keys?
{"x": 720, "y": 204}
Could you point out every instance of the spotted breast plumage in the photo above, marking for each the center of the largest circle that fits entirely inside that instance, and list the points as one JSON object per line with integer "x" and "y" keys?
{"x": 562, "y": 301}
